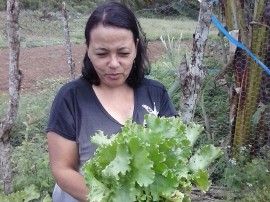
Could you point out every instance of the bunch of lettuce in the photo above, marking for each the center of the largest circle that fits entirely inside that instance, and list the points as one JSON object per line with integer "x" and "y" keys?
{"x": 152, "y": 163}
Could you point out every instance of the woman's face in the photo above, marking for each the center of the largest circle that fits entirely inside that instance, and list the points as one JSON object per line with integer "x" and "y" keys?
{"x": 112, "y": 51}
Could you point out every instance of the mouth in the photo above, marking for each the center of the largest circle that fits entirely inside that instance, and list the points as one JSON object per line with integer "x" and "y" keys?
{"x": 114, "y": 76}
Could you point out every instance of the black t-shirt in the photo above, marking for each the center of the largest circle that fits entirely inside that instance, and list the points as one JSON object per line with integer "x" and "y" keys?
{"x": 77, "y": 114}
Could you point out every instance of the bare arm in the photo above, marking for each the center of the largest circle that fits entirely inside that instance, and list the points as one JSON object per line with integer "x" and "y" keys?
{"x": 64, "y": 159}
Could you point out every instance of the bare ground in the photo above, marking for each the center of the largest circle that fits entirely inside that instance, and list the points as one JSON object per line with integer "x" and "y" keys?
{"x": 51, "y": 62}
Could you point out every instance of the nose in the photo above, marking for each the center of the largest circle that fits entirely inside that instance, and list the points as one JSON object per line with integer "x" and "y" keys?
{"x": 114, "y": 62}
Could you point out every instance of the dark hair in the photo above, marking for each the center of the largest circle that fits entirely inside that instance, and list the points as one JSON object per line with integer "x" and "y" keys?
{"x": 118, "y": 15}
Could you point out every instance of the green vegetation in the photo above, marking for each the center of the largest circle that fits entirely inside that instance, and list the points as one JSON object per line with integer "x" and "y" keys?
{"x": 154, "y": 7}
{"x": 54, "y": 5}
{"x": 36, "y": 32}
{"x": 28, "y": 136}
{"x": 2, "y": 5}
{"x": 33, "y": 111}
{"x": 248, "y": 177}
{"x": 153, "y": 163}
{"x": 32, "y": 178}
{"x": 154, "y": 28}
{"x": 44, "y": 27}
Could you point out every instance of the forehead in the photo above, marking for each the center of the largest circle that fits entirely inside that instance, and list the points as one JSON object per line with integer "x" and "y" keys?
{"x": 110, "y": 33}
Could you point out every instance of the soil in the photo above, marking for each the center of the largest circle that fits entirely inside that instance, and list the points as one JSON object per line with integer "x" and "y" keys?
{"x": 51, "y": 62}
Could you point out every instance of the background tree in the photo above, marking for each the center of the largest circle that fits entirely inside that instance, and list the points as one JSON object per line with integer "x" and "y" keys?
{"x": 14, "y": 89}
{"x": 164, "y": 7}
{"x": 192, "y": 78}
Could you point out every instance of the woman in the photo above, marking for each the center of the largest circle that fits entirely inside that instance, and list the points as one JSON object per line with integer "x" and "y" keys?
{"x": 112, "y": 89}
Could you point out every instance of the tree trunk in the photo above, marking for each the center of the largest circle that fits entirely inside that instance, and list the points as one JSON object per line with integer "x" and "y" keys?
{"x": 191, "y": 84}
{"x": 14, "y": 87}
{"x": 71, "y": 63}
{"x": 7, "y": 181}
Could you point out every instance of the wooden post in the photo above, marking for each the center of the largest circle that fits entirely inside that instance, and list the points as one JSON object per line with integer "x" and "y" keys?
{"x": 71, "y": 63}
{"x": 15, "y": 78}
{"x": 191, "y": 83}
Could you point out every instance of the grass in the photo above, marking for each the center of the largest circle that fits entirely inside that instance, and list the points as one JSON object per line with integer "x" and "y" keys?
{"x": 35, "y": 32}
{"x": 3, "y": 104}
{"x": 3, "y": 42}
{"x": 154, "y": 28}
{"x": 33, "y": 106}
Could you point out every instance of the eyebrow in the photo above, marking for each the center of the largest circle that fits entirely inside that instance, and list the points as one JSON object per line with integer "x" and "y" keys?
{"x": 120, "y": 49}
{"x": 100, "y": 49}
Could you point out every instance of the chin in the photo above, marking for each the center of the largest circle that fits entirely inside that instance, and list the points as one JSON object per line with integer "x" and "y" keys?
{"x": 115, "y": 83}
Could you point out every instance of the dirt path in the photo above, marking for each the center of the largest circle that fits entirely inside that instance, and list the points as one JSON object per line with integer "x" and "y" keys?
{"x": 51, "y": 62}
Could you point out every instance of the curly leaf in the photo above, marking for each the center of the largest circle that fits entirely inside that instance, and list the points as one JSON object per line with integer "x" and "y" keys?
{"x": 141, "y": 172}
{"x": 31, "y": 193}
{"x": 158, "y": 158}
{"x": 177, "y": 196}
{"x": 193, "y": 131}
{"x": 184, "y": 150}
{"x": 168, "y": 148}
{"x": 120, "y": 164}
{"x": 163, "y": 186}
{"x": 148, "y": 164}
{"x": 98, "y": 191}
{"x": 100, "y": 139}
{"x": 201, "y": 180}
{"x": 125, "y": 192}
{"x": 104, "y": 155}
{"x": 204, "y": 157}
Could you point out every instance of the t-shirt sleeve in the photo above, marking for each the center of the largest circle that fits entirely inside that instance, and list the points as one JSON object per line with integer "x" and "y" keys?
{"x": 62, "y": 115}
{"x": 167, "y": 108}
{"x": 159, "y": 96}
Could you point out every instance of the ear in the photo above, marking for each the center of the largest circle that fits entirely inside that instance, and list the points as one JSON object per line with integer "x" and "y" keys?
{"x": 136, "y": 47}
{"x": 87, "y": 51}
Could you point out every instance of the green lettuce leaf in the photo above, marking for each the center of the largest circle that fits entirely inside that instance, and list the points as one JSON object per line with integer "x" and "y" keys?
{"x": 200, "y": 178}
{"x": 152, "y": 163}
{"x": 193, "y": 131}
{"x": 120, "y": 164}
{"x": 98, "y": 192}
{"x": 100, "y": 139}
{"x": 142, "y": 172}
{"x": 204, "y": 157}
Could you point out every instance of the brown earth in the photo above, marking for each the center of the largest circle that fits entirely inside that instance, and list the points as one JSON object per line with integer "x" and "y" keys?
{"x": 51, "y": 62}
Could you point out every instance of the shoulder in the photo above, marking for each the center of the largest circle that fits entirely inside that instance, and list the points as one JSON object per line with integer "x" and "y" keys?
{"x": 73, "y": 86}
{"x": 151, "y": 88}
{"x": 150, "y": 83}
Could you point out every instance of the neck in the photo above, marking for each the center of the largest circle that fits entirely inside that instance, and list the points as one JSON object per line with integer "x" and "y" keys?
{"x": 112, "y": 90}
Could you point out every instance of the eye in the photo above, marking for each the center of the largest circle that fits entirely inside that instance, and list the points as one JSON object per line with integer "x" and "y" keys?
{"x": 101, "y": 54}
{"x": 124, "y": 54}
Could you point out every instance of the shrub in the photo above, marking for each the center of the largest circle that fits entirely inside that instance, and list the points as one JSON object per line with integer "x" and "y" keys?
{"x": 3, "y": 5}
{"x": 28, "y": 194}
{"x": 35, "y": 110}
{"x": 35, "y": 171}
{"x": 249, "y": 177}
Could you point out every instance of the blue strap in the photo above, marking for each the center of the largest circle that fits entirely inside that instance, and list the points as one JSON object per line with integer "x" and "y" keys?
{"x": 238, "y": 44}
